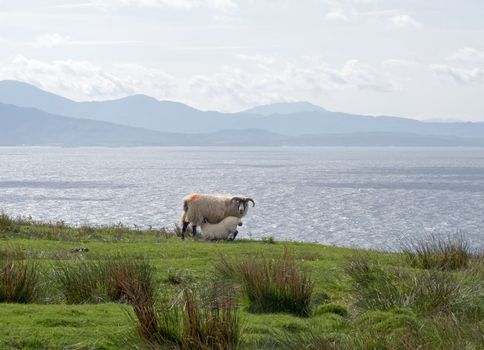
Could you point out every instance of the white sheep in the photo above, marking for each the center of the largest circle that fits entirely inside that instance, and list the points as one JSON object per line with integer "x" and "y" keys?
{"x": 225, "y": 230}
{"x": 198, "y": 208}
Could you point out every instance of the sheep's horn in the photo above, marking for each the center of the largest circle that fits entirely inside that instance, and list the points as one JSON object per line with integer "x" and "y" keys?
{"x": 243, "y": 199}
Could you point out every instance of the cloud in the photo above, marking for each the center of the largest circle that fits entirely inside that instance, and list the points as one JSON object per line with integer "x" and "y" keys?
{"x": 364, "y": 76}
{"x": 351, "y": 10}
{"x": 98, "y": 5}
{"x": 398, "y": 62}
{"x": 51, "y": 40}
{"x": 473, "y": 71}
{"x": 210, "y": 48}
{"x": 264, "y": 79}
{"x": 278, "y": 80}
{"x": 55, "y": 40}
{"x": 218, "y": 5}
{"x": 259, "y": 59}
{"x": 470, "y": 54}
{"x": 84, "y": 80}
{"x": 338, "y": 15}
{"x": 459, "y": 75}
{"x": 404, "y": 21}
{"x": 341, "y": 10}
{"x": 148, "y": 81}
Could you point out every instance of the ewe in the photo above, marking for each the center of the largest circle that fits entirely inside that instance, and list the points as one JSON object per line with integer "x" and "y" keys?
{"x": 198, "y": 208}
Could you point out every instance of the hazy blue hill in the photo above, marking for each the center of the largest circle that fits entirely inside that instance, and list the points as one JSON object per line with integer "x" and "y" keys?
{"x": 146, "y": 112}
{"x": 137, "y": 111}
{"x": 26, "y": 95}
{"x": 29, "y": 126}
{"x": 336, "y": 122}
{"x": 284, "y": 108}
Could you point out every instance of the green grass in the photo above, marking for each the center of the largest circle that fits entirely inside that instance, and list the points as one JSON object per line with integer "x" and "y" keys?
{"x": 380, "y": 301}
{"x": 33, "y": 326}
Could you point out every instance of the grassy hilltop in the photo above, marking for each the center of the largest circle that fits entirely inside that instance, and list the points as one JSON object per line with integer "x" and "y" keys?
{"x": 147, "y": 289}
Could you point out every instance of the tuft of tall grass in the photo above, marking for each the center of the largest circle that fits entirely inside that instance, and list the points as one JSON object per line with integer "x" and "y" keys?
{"x": 400, "y": 329}
{"x": 429, "y": 292}
{"x": 210, "y": 325}
{"x": 19, "y": 281}
{"x": 9, "y": 253}
{"x": 447, "y": 332}
{"x": 5, "y": 222}
{"x": 273, "y": 285}
{"x": 443, "y": 253}
{"x": 128, "y": 280}
{"x": 111, "y": 278}
{"x": 192, "y": 323}
{"x": 374, "y": 287}
{"x": 132, "y": 282}
{"x": 179, "y": 277}
{"x": 10, "y": 224}
{"x": 82, "y": 281}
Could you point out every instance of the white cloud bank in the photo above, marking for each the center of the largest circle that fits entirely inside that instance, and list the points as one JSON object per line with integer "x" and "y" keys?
{"x": 468, "y": 54}
{"x": 74, "y": 78}
{"x": 230, "y": 88}
{"x": 405, "y": 21}
{"x": 459, "y": 75}
{"x": 470, "y": 69}
{"x": 352, "y": 10}
{"x": 219, "y": 5}
{"x": 51, "y": 40}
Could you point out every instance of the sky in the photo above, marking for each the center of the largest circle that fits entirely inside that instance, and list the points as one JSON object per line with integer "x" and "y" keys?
{"x": 422, "y": 59}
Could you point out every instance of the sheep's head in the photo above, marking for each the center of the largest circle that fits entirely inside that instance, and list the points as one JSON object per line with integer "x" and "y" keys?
{"x": 243, "y": 204}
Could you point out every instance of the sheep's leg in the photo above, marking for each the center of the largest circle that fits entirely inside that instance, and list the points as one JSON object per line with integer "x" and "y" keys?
{"x": 184, "y": 229}
{"x": 194, "y": 230}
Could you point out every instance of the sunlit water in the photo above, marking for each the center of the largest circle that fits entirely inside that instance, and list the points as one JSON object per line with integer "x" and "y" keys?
{"x": 364, "y": 197}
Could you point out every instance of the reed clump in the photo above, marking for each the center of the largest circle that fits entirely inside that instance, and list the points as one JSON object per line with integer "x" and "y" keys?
{"x": 451, "y": 252}
{"x": 272, "y": 285}
{"x": 19, "y": 279}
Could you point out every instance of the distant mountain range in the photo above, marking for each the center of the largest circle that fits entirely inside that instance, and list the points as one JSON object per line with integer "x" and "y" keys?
{"x": 284, "y": 108}
{"x": 31, "y": 116}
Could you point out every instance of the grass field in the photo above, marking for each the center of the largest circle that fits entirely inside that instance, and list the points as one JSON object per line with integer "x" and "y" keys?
{"x": 358, "y": 299}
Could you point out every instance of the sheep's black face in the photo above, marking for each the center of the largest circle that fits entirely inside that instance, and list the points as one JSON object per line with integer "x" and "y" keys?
{"x": 243, "y": 204}
{"x": 243, "y": 207}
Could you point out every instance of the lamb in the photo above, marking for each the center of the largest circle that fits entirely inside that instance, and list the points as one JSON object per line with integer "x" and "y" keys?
{"x": 225, "y": 230}
{"x": 212, "y": 208}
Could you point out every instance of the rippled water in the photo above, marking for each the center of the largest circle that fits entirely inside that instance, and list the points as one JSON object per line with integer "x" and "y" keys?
{"x": 365, "y": 197}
